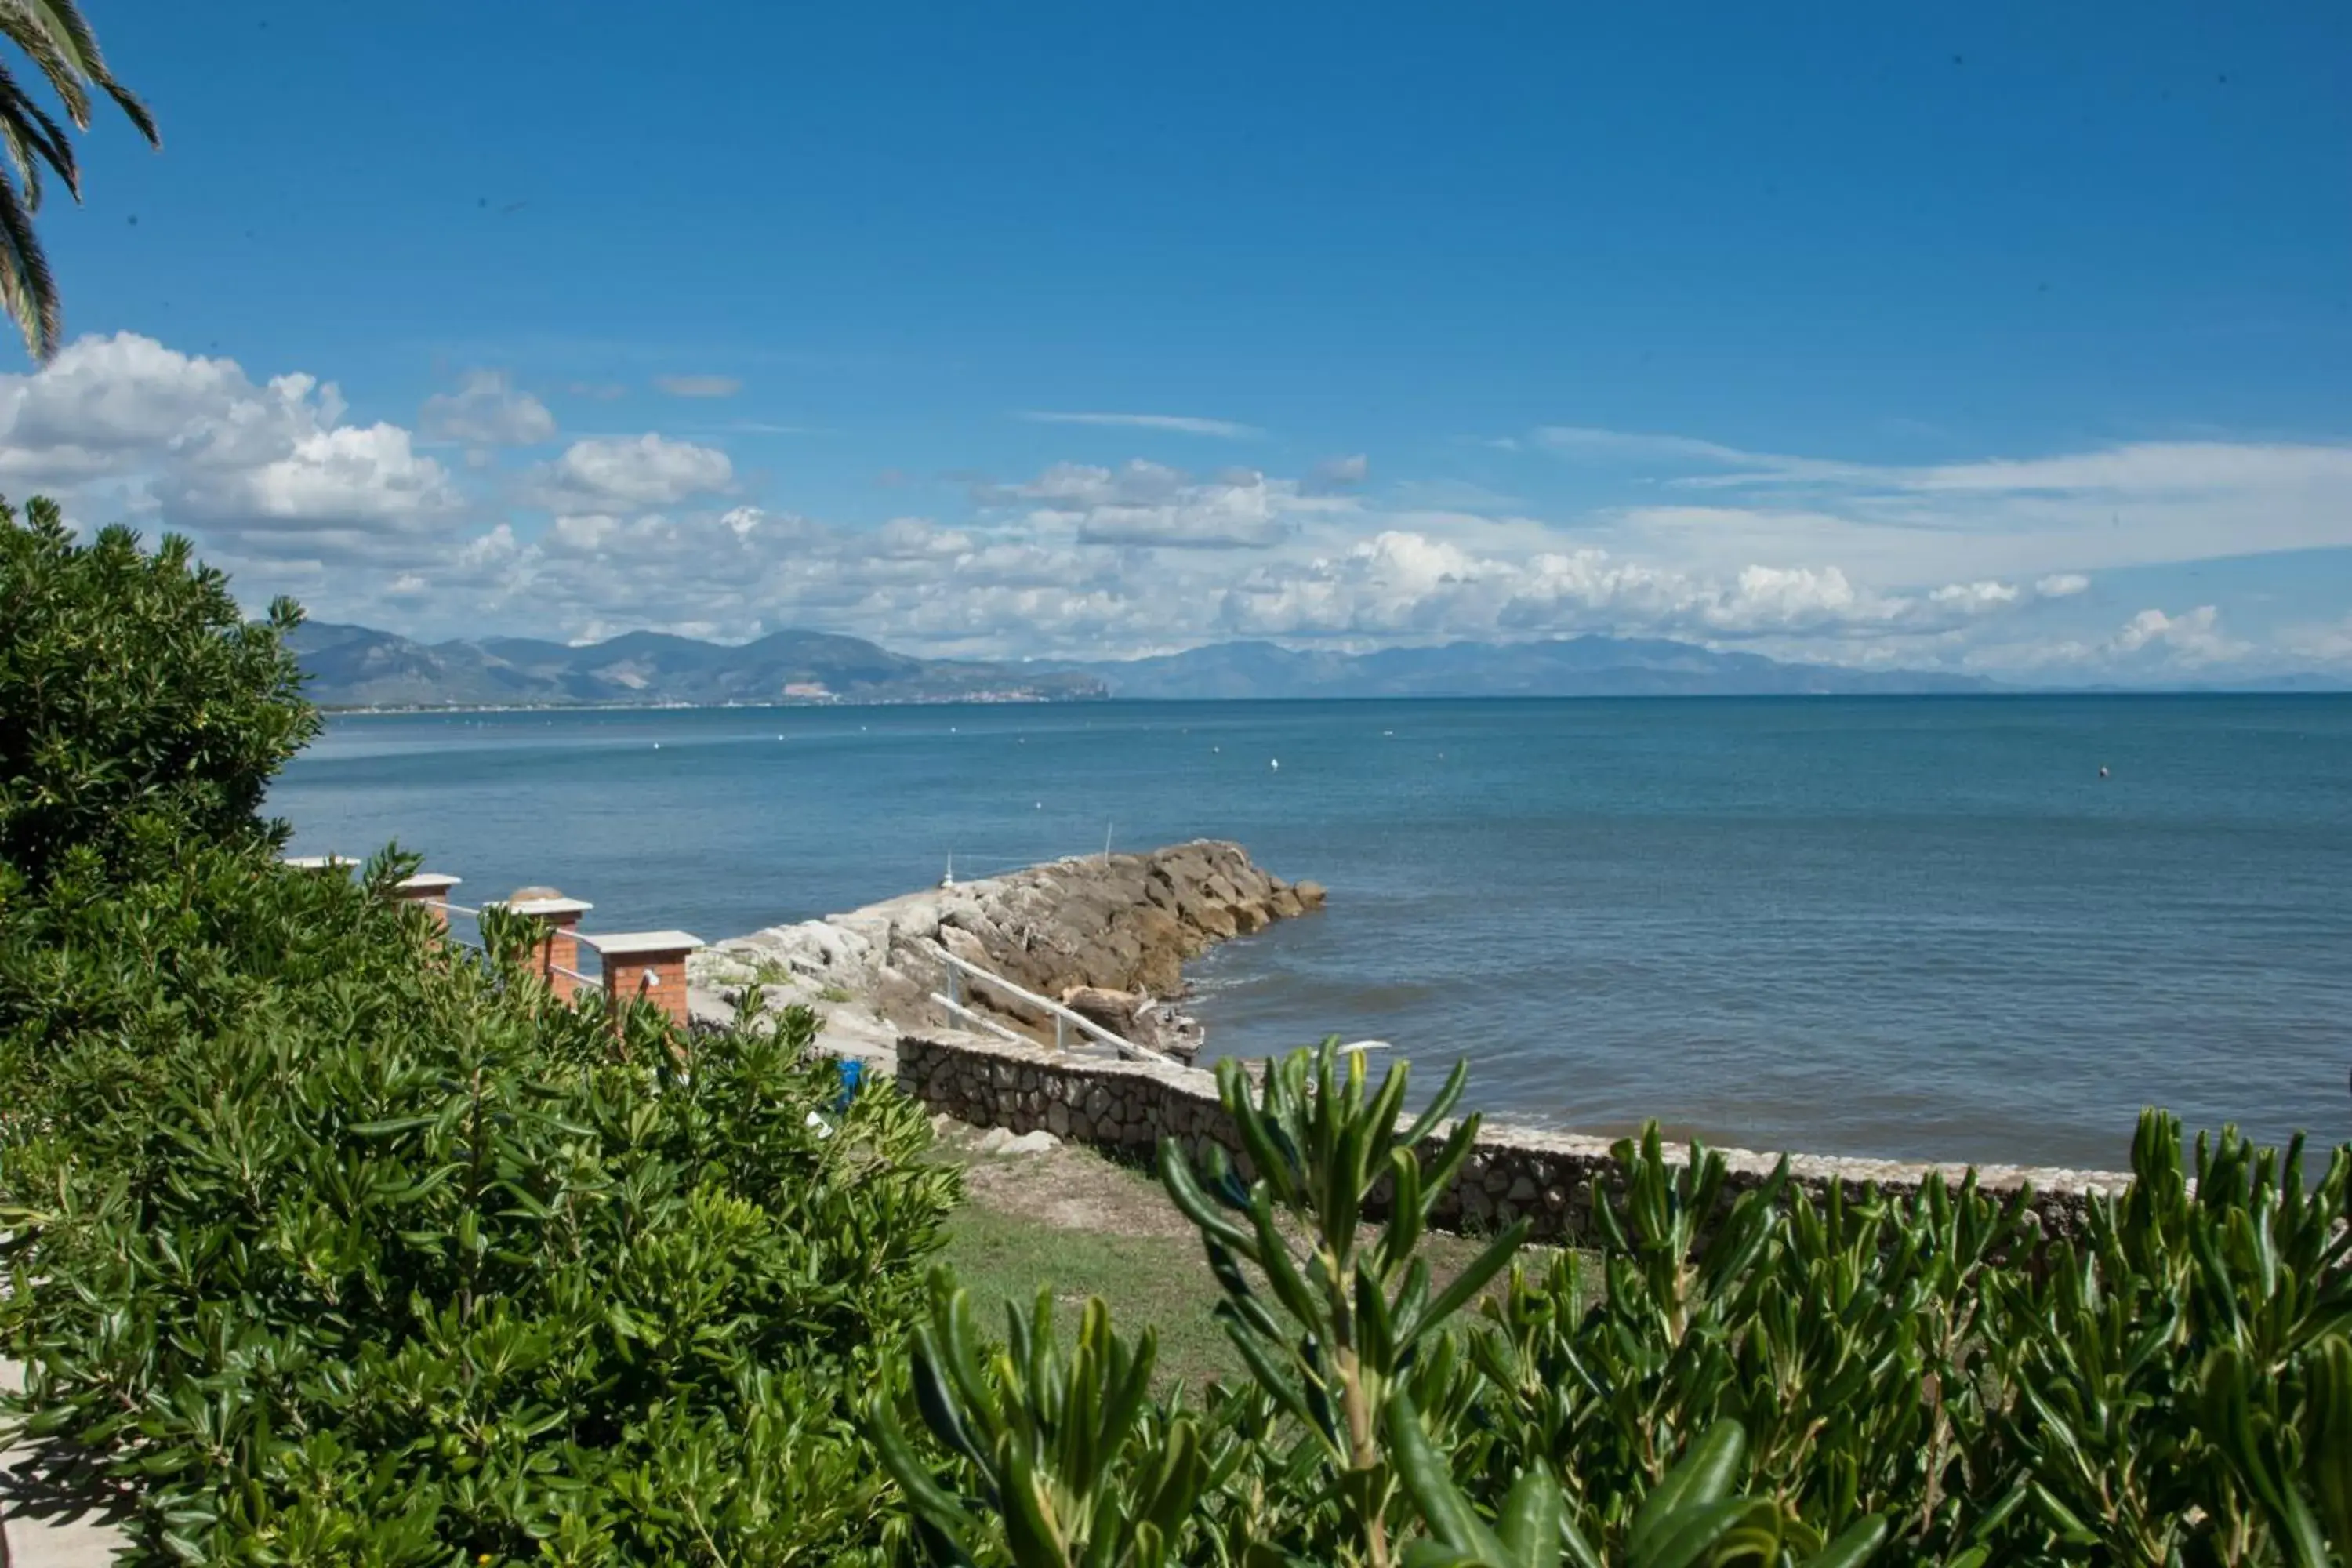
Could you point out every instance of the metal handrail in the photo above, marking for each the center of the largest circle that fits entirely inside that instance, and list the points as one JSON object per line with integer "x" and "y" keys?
{"x": 1064, "y": 1018}
{"x": 958, "y": 1010}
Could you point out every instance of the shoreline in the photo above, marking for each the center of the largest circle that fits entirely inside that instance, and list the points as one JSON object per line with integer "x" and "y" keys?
{"x": 2035, "y": 694}
{"x": 1128, "y": 923}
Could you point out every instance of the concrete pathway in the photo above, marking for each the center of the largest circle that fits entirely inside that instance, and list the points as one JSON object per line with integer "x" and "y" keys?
{"x": 41, "y": 1525}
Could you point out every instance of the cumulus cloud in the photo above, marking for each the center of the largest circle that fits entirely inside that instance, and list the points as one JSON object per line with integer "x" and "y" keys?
{"x": 1976, "y": 597}
{"x": 271, "y": 469}
{"x": 487, "y": 410}
{"x": 698, "y": 386}
{"x": 1182, "y": 424}
{"x": 617, "y": 472}
{"x": 2062, "y": 585}
{"x": 2194, "y": 637}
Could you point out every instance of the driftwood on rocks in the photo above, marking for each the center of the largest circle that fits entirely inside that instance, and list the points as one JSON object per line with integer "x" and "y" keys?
{"x": 1113, "y": 932}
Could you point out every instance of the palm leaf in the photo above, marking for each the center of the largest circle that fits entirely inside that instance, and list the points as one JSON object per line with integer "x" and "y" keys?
{"x": 53, "y": 34}
{"x": 27, "y": 288}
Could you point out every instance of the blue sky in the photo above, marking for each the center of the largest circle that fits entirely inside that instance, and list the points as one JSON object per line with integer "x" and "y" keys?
{"x": 2004, "y": 337}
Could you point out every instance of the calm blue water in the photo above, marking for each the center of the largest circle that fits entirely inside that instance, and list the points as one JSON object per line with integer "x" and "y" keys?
{"x": 1904, "y": 927}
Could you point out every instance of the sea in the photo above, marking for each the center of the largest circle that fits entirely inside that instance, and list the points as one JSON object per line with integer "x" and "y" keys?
{"x": 1980, "y": 929}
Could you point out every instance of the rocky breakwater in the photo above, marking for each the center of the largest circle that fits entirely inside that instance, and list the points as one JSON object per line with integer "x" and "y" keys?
{"x": 1106, "y": 935}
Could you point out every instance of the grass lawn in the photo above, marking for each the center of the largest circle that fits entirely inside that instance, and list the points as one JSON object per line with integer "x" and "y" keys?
{"x": 1158, "y": 1280}
{"x": 1083, "y": 1226}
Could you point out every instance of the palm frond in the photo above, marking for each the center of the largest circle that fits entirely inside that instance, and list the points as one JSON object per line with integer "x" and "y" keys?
{"x": 32, "y": 139}
{"x": 24, "y": 26}
{"x": 53, "y": 34}
{"x": 26, "y": 290}
{"x": 58, "y": 38}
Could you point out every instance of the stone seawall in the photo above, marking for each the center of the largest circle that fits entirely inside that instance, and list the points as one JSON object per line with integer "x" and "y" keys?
{"x": 1126, "y": 1107}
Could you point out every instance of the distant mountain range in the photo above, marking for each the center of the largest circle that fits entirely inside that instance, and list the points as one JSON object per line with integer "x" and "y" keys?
{"x": 355, "y": 666}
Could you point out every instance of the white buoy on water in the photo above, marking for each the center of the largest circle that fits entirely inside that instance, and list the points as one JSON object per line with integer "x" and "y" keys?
{"x": 1274, "y": 762}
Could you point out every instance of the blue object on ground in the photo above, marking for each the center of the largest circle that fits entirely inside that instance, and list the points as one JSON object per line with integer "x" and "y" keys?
{"x": 852, "y": 1079}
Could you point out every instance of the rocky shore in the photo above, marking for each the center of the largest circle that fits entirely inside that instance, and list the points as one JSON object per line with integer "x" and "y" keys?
{"x": 1106, "y": 935}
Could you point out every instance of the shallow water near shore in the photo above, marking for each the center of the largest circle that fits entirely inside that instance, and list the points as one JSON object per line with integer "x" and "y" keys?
{"x": 1900, "y": 927}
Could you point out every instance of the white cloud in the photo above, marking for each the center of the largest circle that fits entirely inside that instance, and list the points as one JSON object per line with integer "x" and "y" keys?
{"x": 352, "y": 475}
{"x": 1179, "y": 423}
{"x": 269, "y": 470}
{"x": 698, "y": 386}
{"x": 1146, "y": 504}
{"x": 1976, "y": 597}
{"x": 1402, "y": 584}
{"x": 619, "y": 471}
{"x": 487, "y": 410}
{"x": 2058, "y": 517}
{"x": 2194, "y": 639}
{"x": 1588, "y": 443}
{"x": 2330, "y": 643}
{"x": 1972, "y": 565}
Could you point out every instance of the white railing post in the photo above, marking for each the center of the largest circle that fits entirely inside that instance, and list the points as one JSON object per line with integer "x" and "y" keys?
{"x": 1064, "y": 1020}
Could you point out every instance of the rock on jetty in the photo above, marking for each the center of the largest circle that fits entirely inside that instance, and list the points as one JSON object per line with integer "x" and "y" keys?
{"x": 1110, "y": 933}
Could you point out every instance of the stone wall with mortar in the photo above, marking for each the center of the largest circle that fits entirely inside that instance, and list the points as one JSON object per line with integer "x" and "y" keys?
{"x": 1126, "y": 1107}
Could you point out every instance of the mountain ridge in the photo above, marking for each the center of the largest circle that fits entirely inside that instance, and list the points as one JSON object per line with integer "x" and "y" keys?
{"x": 352, "y": 665}
{"x": 359, "y": 666}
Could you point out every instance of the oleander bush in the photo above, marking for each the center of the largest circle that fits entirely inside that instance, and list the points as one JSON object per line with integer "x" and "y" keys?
{"x": 1769, "y": 1379}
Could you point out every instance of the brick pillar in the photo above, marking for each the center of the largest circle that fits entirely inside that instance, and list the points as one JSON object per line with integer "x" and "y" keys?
{"x": 559, "y": 941}
{"x": 650, "y": 964}
{"x": 430, "y": 890}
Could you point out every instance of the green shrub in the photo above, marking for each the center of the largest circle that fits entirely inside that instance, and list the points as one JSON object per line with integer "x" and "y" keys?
{"x": 331, "y": 1244}
{"x": 1767, "y": 1380}
{"x": 142, "y": 712}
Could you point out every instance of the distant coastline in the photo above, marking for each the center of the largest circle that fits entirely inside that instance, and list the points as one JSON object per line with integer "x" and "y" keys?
{"x": 360, "y": 670}
{"x": 2002, "y": 693}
